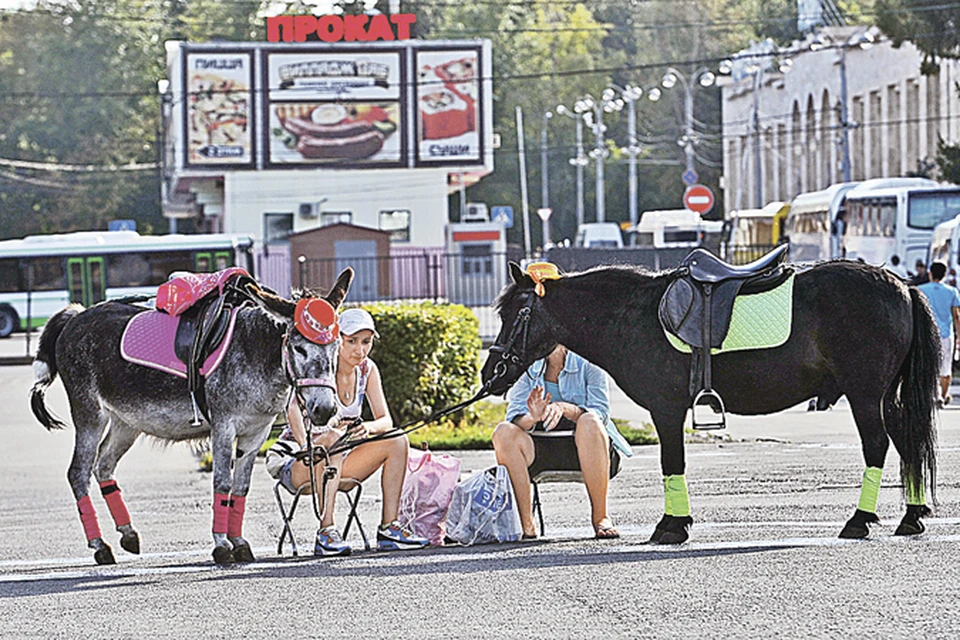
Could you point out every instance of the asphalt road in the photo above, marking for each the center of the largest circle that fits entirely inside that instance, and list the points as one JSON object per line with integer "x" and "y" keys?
{"x": 769, "y": 497}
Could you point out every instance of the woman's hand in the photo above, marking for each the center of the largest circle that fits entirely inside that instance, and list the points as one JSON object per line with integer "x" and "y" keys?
{"x": 537, "y": 403}
{"x": 355, "y": 429}
{"x": 551, "y": 416}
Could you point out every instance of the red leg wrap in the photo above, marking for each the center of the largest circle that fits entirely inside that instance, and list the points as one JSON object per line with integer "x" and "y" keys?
{"x": 111, "y": 493}
{"x": 88, "y": 516}
{"x": 221, "y": 512}
{"x": 237, "y": 506}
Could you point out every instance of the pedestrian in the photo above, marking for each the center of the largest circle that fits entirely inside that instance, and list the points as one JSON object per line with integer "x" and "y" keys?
{"x": 945, "y": 302}
{"x": 922, "y": 276}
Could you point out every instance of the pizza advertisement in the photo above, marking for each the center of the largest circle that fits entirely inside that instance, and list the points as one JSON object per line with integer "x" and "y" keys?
{"x": 219, "y": 101}
{"x": 448, "y": 106}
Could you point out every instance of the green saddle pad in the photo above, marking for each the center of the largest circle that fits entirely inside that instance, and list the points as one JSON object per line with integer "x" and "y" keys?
{"x": 759, "y": 321}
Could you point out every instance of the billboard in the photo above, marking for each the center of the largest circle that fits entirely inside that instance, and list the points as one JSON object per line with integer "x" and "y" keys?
{"x": 399, "y": 104}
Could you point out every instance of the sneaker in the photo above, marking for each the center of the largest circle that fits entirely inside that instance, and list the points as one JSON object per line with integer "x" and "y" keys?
{"x": 947, "y": 399}
{"x": 330, "y": 543}
{"x": 393, "y": 537}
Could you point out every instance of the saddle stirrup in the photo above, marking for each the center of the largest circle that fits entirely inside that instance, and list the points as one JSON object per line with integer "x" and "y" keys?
{"x": 709, "y": 412}
{"x": 196, "y": 410}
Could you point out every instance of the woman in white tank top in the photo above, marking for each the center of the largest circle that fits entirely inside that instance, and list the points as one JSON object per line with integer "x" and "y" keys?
{"x": 358, "y": 377}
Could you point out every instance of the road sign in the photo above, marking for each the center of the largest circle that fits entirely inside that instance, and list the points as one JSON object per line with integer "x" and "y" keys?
{"x": 690, "y": 177}
{"x": 503, "y": 214}
{"x": 122, "y": 225}
{"x": 698, "y": 198}
{"x": 544, "y": 213}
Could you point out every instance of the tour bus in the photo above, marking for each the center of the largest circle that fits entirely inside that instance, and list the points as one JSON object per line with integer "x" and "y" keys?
{"x": 893, "y": 226}
{"x": 945, "y": 248}
{"x": 810, "y": 220}
{"x": 670, "y": 229}
{"x": 39, "y": 275}
{"x": 753, "y": 232}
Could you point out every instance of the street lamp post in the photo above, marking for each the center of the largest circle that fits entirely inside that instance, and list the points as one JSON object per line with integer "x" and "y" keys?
{"x": 590, "y": 106}
{"x": 704, "y": 78}
{"x": 544, "y": 178}
{"x": 579, "y": 161}
{"x": 630, "y": 95}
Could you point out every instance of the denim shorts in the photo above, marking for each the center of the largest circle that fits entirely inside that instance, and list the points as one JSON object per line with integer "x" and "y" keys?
{"x": 286, "y": 481}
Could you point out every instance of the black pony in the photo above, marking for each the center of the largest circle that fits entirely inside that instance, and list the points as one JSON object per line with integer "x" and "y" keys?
{"x": 857, "y": 331}
{"x": 114, "y": 401}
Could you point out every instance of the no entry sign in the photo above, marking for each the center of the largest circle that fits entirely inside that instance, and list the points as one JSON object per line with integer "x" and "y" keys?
{"x": 698, "y": 198}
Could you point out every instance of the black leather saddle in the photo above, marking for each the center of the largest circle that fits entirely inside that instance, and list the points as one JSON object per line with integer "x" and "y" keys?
{"x": 201, "y": 329}
{"x": 698, "y": 305}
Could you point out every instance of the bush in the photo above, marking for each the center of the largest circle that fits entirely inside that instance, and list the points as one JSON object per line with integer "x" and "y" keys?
{"x": 429, "y": 357}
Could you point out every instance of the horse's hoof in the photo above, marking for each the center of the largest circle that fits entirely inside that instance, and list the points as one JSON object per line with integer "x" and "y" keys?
{"x": 677, "y": 530}
{"x": 243, "y": 553}
{"x": 857, "y": 527}
{"x": 911, "y": 524}
{"x": 659, "y": 530}
{"x": 130, "y": 541}
{"x": 674, "y": 537}
{"x": 104, "y": 555}
{"x": 223, "y": 555}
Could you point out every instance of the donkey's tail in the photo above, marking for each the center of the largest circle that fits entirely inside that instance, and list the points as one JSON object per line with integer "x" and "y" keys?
{"x": 45, "y": 366}
{"x": 911, "y": 419}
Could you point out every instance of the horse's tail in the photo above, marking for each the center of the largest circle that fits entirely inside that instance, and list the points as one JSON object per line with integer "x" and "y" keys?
{"x": 45, "y": 366}
{"x": 911, "y": 421}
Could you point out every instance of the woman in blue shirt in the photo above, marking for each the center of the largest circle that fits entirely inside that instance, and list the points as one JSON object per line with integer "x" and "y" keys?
{"x": 561, "y": 392}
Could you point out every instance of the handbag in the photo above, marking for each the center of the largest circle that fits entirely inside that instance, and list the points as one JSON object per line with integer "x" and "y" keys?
{"x": 483, "y": 509}
{"x": 427, "y": 491}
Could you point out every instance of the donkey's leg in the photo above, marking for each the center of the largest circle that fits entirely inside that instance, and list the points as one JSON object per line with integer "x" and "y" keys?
{"x": 222, "y": 435}
{"x": 118, "y": 441}
{"x": 247, "y": 448}
{"x": 875, "y": 443}
{"x": 674, "y": 527}
{"x": 89, "y": 429}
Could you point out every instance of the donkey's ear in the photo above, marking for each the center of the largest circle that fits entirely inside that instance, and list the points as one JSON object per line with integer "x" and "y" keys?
{"x": 519, "y": 276}
{"x": 271, "y": 302}
{"x": 339, "y": 291}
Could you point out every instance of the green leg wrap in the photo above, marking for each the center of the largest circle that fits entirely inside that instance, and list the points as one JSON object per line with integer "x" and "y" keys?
{"x": 667, "y": 502}
{"x": 870, "y": 489}
{"x": 915, "y": 492}
{"x": 677, "y": 498}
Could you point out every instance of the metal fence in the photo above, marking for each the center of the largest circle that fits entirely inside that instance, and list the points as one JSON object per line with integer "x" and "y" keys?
{"x": 742, "y": 254}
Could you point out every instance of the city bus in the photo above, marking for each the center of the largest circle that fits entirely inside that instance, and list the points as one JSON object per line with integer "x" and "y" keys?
{"x": 810, "y": 220}
{"x": 39, "y": 275}
{"x": 893, "y": 226}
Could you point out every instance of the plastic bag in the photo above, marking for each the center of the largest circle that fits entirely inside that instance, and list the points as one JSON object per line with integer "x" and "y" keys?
{"x": 484, "y": 509}
{"x": 427, "y": 491}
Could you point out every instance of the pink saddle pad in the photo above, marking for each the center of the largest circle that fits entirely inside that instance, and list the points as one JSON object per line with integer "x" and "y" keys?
{"x": 149, "y": 337}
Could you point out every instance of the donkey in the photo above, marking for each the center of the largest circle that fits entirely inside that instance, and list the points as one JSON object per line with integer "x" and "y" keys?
{"x": 113, "y": 401}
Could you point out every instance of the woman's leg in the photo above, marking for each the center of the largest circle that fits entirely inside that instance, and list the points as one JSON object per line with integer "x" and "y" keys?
{"x": 391, "y": 454}
{"x": 300, "y": 475}
{"x": 514, "y": 449}
{"x": 593, "y": 449}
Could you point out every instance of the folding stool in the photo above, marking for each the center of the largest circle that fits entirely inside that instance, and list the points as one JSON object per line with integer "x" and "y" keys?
{"x": 350, "y": 487}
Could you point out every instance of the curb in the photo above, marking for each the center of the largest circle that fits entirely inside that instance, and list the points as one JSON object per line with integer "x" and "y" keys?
{"x": 15, "y": 360}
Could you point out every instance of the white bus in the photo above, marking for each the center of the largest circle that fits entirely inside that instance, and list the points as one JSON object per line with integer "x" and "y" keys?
{"x": 810, "y": 220}
{"x": 945, "y": 248}
{"x": 39, "y": 275}
{"x": 893, "y": 226}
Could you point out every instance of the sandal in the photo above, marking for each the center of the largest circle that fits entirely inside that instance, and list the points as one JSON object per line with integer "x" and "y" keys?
{"x": 607, "y": 532}
{"x": 527, "y": 537}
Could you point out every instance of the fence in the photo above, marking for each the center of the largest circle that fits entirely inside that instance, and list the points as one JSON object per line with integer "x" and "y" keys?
{"x": 471, "y": 279}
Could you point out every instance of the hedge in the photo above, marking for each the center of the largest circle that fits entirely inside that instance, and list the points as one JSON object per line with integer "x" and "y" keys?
{"x": 428, "y": 354}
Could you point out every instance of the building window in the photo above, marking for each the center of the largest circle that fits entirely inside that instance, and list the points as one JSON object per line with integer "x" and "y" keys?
{"x": 476, "y": 260}
{"x": 335, "y": 217}
{"x": 277, "y": 226}
{"x": 397, "y": 222}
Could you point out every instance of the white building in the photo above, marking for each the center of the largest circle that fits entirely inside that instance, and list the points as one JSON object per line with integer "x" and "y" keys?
{"x": 895, "y": 115}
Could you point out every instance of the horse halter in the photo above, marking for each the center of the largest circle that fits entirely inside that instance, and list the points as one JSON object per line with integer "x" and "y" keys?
{"x": 508, "y": 355}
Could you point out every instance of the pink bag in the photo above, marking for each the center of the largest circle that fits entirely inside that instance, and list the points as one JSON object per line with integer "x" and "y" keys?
{"x": 427, "y": 491}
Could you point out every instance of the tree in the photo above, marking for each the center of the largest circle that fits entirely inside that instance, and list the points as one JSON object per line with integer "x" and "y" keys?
{"x": 932, "y": 25}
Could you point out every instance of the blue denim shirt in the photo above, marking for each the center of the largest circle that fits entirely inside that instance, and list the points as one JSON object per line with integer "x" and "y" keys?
{"x": 581, "y": 383}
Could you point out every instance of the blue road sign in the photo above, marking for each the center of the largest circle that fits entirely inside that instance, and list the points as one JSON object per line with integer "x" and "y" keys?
{"x": 122, "y": 225}
{"x": 690, "y": 177}
{"x": 503, "y": 214}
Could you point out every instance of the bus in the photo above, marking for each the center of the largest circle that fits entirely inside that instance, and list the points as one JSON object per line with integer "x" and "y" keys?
{"x": 809, "y": 222}
{"x": 670, "y": 229}
{"x": 893, "y": 226}
{"x": 39, "y": 275}
{"x": 945, "y": 248}
{"x": 754, "y": 232}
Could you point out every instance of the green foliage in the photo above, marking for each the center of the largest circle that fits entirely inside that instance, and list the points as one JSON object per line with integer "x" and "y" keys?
{"x": 928, "y": 25}
{"x": 429, "y": 356}
{"x": 948, "y": 161}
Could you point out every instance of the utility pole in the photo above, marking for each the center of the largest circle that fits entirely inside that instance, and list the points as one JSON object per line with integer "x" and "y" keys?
{"x": 523, "y": 184}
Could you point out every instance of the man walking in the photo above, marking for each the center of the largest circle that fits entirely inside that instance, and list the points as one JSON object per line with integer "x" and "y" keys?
{"x": 945, "y": 302}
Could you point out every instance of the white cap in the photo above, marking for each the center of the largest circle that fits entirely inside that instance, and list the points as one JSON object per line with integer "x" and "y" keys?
{"x": 354, "y": 320}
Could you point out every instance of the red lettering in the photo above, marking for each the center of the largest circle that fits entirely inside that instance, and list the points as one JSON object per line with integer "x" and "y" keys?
{"x": 379, "y": 28}
{"x": 354, "y": 28}
{"x": 330, "y": 28}
{"x": 403, "y": 22}
{"x": 273, "y": 28}
{"x": 303, "y": 26}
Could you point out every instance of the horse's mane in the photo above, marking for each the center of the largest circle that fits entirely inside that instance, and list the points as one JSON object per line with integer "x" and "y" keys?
{"x": 616, "y": 277}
